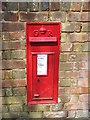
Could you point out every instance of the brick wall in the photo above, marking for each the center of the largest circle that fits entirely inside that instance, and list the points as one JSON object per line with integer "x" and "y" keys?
{"x": 73, "y": 84}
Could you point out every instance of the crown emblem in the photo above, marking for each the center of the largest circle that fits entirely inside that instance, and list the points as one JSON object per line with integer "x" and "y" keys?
{"x": 43, "y": 30}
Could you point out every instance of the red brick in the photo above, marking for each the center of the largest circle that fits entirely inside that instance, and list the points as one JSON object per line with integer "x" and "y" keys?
{"x": 4, "y": 4}
{"x": 0, "y": 65}
{"x": 65, "y": 6}
{"x": 82, "y": 113}
{"x": 58, "y": 16}
{"x": 8, "y": 91}
{"x": 16, "y": 115}
{"x": 65, "y": 83}
{"x": 8, "y": 74}
{"x": 12, "y": 6}
{"x": 74, "y": 16}
{"x": 44, "y": 6}
{"x": 73, "y": 90}
{"x": 55, "y": 6}
{"x": 0, "y": 6}
{"x": 13, "y": 35}
{"x": 38, "y": 108}
{"x": 28, "y": 17}
{"x": 88, "y": 73}
{"x": 83, "y": 82}
{"x": 84, "y": 98}
{"x": 35, "y": 115}
{"x": 18, "y": 54}
{"x": 76, "y": 106}
{"x": 75, "y": 66}
{"x": 14, "y": 100}
{"x": 9, "y": 16}
{"x": 85, "y": 37}
{"x": 19, "y": 91}
{"x": 16, "y": 108}
{"x": 74, "y": 82}
{"x": 76, "y": 6}
{"x": 1, "y": 35}
{"x": 83, "y": 73}
{"x": 86, "y": 6}
{"x": 65, "y": 91}
{"x": 77, "y": 47}
{"x": 71, "y": 114}
{"x": 57, "y": 107}
{"x": 1, "y": 16}
{"x": 34, "y": 6}
{"x": 66, "y": 66}
{"x": 1, "y": 104}
{"x": 62, "y": 74}
{"x": 85, "y": 16}
{"x": 12, "y": 27}
{"x": 23, "y": 45}
{"x": 64, "y": 98}
{"x": 86, "y": 27}
{"x": 85, "y": 47}
{"x": 6, "y": 55}
{"x": 66, "y": 47}
{"x": 78, "y": 90}
{"x": 89, "y": 90}
{"x": 19, "y": 74}
{"x": 74, "y": 98}
{"x": 60, "y": 114}
{"x": 63, "y": 57}
{"x": 82, "y": 57}
{"x": 79, "y": 37}
{"x": 64, "y": 37}
{"x": 7, "y": 45}
{"x": 2, "y": 92}
{"x": 1, "y": 74}
{"x": 13, "y": 83}
{"x": 10, "y": 64}
{"x": 72, "y": 57}
{"x": 83, "y": 65}
{"x": 5, "y": 108}
{"x": 78, "y": 27}
{"x": 23, "y": 6}
{"x": 71, "y": 27}
{"x": 0, "y": 27}
{"x": 72, "y": 74}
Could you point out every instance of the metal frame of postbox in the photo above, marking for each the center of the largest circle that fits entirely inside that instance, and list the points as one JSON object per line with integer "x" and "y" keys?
{"x": 42, "y": 42}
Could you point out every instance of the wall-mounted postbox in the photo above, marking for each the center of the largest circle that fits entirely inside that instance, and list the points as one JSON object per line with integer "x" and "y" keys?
{"x": 43, "y": 48}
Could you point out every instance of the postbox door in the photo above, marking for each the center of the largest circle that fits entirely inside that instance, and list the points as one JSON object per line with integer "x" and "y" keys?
{"x": 43, "y": 75}
{"x": 43, "y": 47}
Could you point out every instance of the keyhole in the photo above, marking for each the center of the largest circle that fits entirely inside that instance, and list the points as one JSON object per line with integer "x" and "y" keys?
{"x": 38, "y": 80}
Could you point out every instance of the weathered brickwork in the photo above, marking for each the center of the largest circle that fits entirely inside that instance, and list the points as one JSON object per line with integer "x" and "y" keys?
{"x": 73, "y": 83}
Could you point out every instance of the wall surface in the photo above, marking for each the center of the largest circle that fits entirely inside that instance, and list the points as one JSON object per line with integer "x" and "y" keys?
{"x": 73, "y": 85}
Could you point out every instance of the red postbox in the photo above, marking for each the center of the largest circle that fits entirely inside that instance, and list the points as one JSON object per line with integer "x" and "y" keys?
{"x": 43, "y": 48}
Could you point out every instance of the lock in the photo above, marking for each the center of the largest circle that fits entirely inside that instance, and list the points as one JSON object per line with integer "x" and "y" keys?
{"x": 38, "y": 80}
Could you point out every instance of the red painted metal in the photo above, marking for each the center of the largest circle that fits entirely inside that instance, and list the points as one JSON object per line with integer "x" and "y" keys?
{"x": 43, "y": 38}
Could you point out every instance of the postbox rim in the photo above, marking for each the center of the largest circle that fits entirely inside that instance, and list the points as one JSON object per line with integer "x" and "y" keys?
{"x": 42, "y": 23}
{"x": 44, "y": 91}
